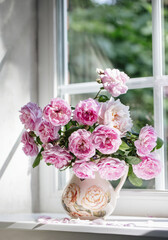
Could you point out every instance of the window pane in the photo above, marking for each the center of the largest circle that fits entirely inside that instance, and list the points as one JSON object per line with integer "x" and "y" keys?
{"x": 109, "y": 33}
{"x": 141, "y": 106}
{"x": 141, "y": 109}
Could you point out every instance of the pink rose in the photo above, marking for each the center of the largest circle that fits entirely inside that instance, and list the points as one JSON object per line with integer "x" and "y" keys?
{"x": 86, "y": 112}
{"x": 115, "y": 114}
{"x": 146, "y": 142}
{"x": 47, "y": 132}
{"x": 149, "y": 168}
{"x": 31, "y": 115}
{"x": 114, "y": 81}
{"x": 106, "y": 139}
{"x": 30, "y": 147}
{"x": 80, "y": 144}
{"x": 85, "y": 169}
{"x": 111, "y": 168}
{"x": 58, "y": 112}
{"x": 56, "y": 155}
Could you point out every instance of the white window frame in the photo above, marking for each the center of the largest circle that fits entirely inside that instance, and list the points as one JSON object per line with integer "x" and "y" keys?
{"x": 142, "y": 202}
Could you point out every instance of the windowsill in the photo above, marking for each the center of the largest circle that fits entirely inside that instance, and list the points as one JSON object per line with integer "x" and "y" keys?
{"x": 129, "y": 226}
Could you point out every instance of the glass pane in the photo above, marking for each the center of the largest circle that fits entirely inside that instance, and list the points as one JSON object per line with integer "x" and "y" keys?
{"x": 141, "y": 106}
{"x": 109, "y": 33}
{"x": 141, "y": 109}
{"x": 166, "y": 132}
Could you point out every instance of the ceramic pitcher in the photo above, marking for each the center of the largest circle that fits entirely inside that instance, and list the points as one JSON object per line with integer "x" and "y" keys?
{"x": 89, "y": 199}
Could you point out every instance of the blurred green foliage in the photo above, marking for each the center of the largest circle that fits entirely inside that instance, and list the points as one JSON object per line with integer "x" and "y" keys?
{"x": 103, "y": 35}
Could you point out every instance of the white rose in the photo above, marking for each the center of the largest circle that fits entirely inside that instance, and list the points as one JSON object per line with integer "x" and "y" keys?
{"x": 115, "y": 114}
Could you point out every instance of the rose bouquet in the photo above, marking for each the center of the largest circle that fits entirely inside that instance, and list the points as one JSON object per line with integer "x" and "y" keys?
{"x": 94, "y": 136}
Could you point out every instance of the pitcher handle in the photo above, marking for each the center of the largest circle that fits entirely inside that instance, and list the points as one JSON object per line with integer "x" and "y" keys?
{"x": 122, "y": 181}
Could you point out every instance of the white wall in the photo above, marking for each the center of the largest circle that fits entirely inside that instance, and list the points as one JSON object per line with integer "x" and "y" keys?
{"x": 18, "y": 84}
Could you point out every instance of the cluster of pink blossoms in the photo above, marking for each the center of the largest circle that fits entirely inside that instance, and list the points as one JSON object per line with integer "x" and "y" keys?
{"x": 150, "y": 166}
{"x": 86, "y": 138}
{"x": 44, "y": 124}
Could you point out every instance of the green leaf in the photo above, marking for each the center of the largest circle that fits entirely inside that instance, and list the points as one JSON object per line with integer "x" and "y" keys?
{"x": 64, "y": 168}
{"x": 68, "y": 125}
{"x": 49, "y": 164}
{"x": 159, "y": 143}
{"x": 135, "y": 180}
{"x": 123, "y": 146}
{"x": 136, "y": 134}
{"x": 120, "y": 152}
{"x": 74, "y": 123}
{"x": 91, "y": 129}
{"x": 130, "y": 170}
{"x": 38, "y": 159}
{"x": 103, "y": 98}
{"x": 133, "y": 160}
{"x": 72, "y": 129}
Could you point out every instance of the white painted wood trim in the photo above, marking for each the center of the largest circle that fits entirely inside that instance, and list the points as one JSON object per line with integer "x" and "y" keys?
{"x": 157, "y": 44}
{"x": 47, "y": 83}
{"x": 133, "y": 83}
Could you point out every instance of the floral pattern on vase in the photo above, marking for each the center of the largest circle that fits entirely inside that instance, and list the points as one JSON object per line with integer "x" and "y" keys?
{"x": 95, "y": 198}
{"x": 71, "y": 194}
{"x": 90, "y": 198}
{"x": 92, "y": 203}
